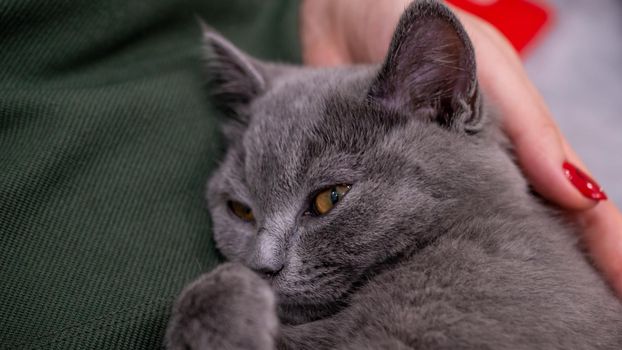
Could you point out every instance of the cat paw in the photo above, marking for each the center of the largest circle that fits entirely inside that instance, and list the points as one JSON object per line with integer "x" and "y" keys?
{"x": 230, "y": 307}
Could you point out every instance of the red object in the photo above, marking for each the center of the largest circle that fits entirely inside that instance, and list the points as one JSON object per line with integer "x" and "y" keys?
{"x": 521, "y": 21}
{"x": 585, "y": 184}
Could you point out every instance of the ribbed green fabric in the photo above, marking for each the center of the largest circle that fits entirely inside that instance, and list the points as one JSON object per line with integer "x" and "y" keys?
{"x": 106, "y": 140}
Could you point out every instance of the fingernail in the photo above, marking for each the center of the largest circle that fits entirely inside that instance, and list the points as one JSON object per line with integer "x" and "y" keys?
{"x": 585, "y": 184}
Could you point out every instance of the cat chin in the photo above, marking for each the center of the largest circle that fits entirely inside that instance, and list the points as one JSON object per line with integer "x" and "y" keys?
{"x": 295, "y": 314}
{"x": 296, "y": 306}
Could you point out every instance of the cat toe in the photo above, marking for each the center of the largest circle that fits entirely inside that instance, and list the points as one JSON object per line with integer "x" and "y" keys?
{"x": 228, "y": 308}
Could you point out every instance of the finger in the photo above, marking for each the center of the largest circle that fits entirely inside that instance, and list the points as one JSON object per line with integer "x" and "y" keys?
{"x": 542, "y": 156}
{"x": 603, "y": 237}
{"x": 602, "y": 233}
{"x": 538, "y": 143}
{"x": 541, "y": 149}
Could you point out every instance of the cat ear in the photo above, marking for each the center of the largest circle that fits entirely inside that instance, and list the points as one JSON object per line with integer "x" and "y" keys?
{"x": 430, "y": 69}
{"x": 235, "y": 78}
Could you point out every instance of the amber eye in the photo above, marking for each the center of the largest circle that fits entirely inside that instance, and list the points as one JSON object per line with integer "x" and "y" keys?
{"x": 326, "y": 200}
{"x": 242, "y": 211}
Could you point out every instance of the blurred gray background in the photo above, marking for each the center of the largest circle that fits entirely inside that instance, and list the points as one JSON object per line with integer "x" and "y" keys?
{"x": 577, "y": 65}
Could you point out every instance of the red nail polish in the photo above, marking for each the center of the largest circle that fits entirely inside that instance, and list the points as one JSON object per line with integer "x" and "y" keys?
{"x": 585, "y": 184}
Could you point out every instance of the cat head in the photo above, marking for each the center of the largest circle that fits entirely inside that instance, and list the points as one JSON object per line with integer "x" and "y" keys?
{"x": 332, "y": 174}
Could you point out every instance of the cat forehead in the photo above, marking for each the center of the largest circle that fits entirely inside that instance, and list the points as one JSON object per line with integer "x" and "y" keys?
{"x": 305, "y": 122}
{"x": 306, "y": 92}
{"x": 306, "y": 106}
{"x": 320, "y": 123}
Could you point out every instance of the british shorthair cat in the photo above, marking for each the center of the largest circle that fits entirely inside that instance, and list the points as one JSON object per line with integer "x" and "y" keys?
{"x": 379, "y": 207}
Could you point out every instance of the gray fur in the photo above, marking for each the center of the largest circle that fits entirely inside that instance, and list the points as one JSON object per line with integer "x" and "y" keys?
{"x": 439, "y": 243}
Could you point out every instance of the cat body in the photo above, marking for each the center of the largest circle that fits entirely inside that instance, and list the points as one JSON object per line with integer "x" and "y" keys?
{"x": 435, "y": 240}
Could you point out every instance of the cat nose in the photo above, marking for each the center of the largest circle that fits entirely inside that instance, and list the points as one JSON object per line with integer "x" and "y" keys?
{"x": 268, "y": 271}
{"x": 266, "y": 266}
{"x": 267, "y": 256}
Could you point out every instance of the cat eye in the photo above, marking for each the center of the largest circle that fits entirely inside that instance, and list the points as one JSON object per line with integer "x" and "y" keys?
{"x": 242, "y": 211}
{"x": 326, "y": 200}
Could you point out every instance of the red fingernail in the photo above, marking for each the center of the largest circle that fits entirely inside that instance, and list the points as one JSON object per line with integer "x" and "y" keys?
{"x": 585, "y": 184}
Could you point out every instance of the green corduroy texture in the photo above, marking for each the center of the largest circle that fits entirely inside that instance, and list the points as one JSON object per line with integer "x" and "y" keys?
{"x": 106, "y": 141}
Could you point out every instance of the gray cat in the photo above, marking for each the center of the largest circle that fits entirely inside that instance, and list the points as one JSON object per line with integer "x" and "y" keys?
{"x": 378, "y": 207}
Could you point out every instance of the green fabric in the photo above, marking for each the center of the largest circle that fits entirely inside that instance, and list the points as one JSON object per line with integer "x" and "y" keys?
{"x": 106, "y": 140}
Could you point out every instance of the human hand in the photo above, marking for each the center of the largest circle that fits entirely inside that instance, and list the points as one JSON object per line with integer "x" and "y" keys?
{"x": 335, "y": 32}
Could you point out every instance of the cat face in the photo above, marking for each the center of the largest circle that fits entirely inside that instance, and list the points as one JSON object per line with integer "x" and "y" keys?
{"x": 331, "y": 175}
